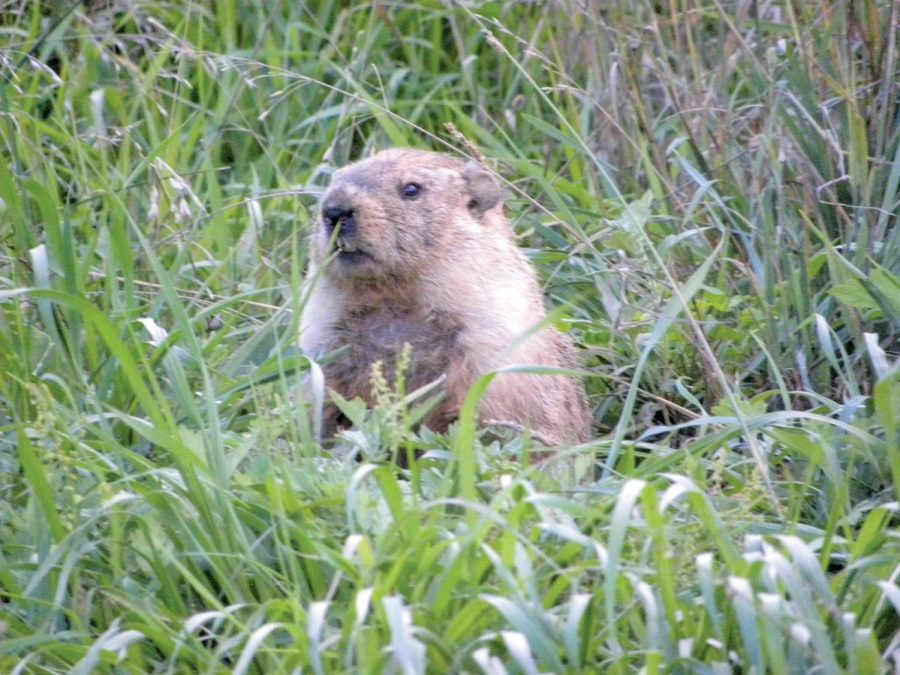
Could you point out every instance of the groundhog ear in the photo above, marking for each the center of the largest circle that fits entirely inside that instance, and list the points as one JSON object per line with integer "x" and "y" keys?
{"x": 484, "y": 191}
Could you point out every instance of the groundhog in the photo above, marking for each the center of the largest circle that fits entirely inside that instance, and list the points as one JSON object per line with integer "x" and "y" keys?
{"x": 413, "y": 247}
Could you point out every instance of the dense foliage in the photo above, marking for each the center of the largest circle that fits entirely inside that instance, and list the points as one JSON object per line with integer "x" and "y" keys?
{"x": 710, "y": 192}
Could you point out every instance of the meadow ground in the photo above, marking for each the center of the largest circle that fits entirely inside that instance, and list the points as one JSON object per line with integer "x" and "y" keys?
{"x": 710, "y": 194}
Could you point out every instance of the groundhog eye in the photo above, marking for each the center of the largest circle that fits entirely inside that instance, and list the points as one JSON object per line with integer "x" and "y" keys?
{"x": 411, "y": 190}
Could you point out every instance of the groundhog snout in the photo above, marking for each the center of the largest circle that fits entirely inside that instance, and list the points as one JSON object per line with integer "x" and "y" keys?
{"x": 333, "y": 216}
{"x": 342, "y": 218}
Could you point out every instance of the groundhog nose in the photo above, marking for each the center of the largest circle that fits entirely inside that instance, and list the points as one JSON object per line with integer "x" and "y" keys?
{"x": 334, "y": 214}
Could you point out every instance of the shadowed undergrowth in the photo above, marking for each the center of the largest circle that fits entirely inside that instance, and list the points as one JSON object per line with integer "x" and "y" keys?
{"x": 710, "y": 194}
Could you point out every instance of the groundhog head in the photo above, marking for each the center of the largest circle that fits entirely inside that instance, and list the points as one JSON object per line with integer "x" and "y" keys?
{"x": 390, "y": 215}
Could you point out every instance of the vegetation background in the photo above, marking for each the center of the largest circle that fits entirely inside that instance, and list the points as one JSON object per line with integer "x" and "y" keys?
{"x": 710, "y": 193}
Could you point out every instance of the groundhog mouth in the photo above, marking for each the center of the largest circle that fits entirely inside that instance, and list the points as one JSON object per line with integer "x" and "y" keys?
{"x": 352, "y": 257}
{"x": 345, "y": 241}
{"x": 348, "y": 252}
{"x": 344, "y": 244}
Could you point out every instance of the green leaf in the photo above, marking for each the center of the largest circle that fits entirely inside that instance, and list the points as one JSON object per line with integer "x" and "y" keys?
{"x": 853, "y": 293}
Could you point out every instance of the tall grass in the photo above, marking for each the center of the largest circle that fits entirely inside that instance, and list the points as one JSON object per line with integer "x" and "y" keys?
{"x": 710, "y": 193}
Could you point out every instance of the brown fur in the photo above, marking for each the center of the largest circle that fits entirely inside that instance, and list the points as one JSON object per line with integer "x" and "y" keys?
{"x": 440, "y": 271}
